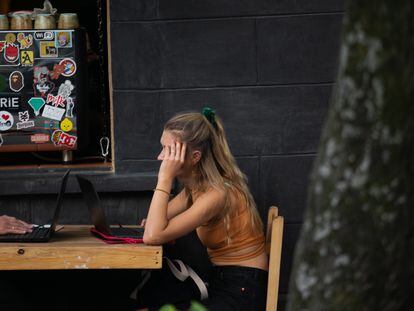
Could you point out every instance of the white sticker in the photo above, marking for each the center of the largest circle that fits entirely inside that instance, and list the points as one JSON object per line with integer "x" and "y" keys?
{"x": 6, "y": 120}
{"x": 54, "y": 113}
{"x": 24, "y": 120}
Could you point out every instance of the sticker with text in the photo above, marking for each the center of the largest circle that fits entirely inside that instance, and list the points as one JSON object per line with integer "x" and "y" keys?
{"x": 54, "y": 113}
{"x": 9, "y": 102}
{"x": 61, "y": 138}
{"x": 44, "y": 35}
{"x": 16, "y": 81}
{"x": 55, "y": 100}
{"x": 39, "y": 138}
{"x": 42, "y": 85}
{"x": 6, "y": 120}
{"x": 27, "y": 58}
{"x": 24, "y": 120}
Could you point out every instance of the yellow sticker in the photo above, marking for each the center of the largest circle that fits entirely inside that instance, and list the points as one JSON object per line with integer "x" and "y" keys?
{"x": 48, "y": 49}
{"x": 10, "y": 37}
{"x": 66, "y": 125}
{"x": 26, "y": 58}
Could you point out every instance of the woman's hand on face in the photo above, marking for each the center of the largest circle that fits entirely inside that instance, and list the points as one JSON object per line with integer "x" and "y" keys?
{"x": 174, "y": 156}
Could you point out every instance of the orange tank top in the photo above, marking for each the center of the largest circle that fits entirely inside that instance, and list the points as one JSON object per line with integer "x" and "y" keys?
{"x": 222, "y": 244}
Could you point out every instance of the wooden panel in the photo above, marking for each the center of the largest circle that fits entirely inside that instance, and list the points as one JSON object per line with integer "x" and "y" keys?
{"x": 75, "y": 248}
{"x": 274, "y": 263}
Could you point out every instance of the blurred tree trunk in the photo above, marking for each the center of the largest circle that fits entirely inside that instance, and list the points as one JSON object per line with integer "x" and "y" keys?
{"x": 357, "y": 244}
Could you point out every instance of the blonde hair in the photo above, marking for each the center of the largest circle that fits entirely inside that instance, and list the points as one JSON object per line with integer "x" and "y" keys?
{"x": 217, "y": 166}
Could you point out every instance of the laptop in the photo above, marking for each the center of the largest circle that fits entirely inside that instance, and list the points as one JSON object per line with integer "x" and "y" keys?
{"x": 98, "y": 215}
{"x": 41, "y": 233}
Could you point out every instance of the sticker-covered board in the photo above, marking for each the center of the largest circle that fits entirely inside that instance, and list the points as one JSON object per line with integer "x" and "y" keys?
{"x": 38, "y": 72}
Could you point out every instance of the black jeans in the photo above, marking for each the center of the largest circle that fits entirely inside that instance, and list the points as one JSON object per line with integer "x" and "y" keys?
{"x": 237, "y": 288}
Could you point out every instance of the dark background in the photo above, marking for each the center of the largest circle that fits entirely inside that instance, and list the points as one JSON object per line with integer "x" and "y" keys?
{"x": 266, "y": 67}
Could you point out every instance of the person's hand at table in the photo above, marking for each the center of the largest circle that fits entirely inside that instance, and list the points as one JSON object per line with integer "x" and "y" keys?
{"x": 12, "y": 225}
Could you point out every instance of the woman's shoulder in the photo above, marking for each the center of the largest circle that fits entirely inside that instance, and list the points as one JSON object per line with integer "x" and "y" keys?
{"x": 212, "y": 193}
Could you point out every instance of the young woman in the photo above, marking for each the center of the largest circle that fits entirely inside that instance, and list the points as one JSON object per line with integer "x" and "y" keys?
{"x": 216, "y": 202}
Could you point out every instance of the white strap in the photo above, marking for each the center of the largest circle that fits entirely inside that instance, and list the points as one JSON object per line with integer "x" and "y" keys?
{"x": 200, "y": 284}
{"x": 182, "y": 274}
{"x": 146, "y": 274}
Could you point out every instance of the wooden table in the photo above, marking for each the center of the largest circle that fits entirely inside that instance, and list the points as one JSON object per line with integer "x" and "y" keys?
{"x": 74, "y": 247}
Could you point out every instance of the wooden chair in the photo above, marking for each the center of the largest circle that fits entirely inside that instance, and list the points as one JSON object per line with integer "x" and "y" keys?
{"x": 274, "y": 235}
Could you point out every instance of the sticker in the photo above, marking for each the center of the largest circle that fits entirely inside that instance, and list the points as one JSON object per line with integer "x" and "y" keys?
{"x": 55, "y": 100}
{"x": 61, "y": 138}
{"x": 27, "y": 58}
{"x": 44, "y": 35}
{"x": 10, "y": 38}
{"x": 66, "y": 89}
{"x": 1, "y": 140}
{"x": 6, "y": 120}
{"x": 66, "y": 125}
{"x": 39, "y": 138}
{"x": 42, "y": 86}
{"x": 57, "y": 71}
{"x": 69, "y": 107}
{"x": 24, "y": 120}
{"x": 48, "y": 49}
{"x": 70, "y": 67}
{"x": 50, "y": 124}
{"x": 9, "y": 102}
{"x": 16, "y": 81}
{"x": 25, "y": 41}
{"x": 2, "y": 45}
{"x": 36, "y": 103}
{"x": 54, "y": 113}
{"x": 64, "y": 39}
{"x": 11, "y": 53}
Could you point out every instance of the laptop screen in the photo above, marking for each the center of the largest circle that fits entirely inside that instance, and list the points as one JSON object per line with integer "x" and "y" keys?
{"x": 60, "y": 200}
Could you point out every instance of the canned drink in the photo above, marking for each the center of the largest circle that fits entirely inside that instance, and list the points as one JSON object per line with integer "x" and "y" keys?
{"x": 44, "y": 21}
{"x": 4, "y": 22}
{"x": 21, "y": 21}
{"x": 68, "y": 21}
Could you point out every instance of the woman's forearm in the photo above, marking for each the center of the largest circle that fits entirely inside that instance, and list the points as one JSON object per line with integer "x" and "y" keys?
{"x": 157, "y": 219}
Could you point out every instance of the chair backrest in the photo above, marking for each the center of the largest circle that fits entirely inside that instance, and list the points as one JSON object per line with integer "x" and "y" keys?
{"x": 274, "y": 236}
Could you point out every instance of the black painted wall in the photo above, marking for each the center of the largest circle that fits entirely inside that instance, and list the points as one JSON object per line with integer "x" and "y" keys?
{"x": 266, "y": 67}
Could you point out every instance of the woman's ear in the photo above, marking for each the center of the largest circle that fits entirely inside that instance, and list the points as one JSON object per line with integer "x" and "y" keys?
{"x": 195, "y": 156}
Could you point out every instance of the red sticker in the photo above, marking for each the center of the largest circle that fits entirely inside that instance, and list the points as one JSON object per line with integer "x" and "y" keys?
{"x": 39, "y": 138}
{"x": 61, "y": 138}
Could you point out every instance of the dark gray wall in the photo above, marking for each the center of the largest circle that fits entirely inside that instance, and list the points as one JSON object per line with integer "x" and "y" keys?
{"x": 266, "y": 67}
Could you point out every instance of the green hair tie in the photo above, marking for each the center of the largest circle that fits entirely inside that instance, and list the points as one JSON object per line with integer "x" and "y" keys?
{"x": 210, "y": 115}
